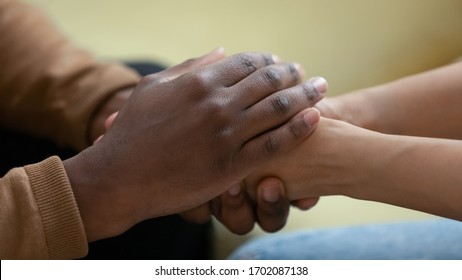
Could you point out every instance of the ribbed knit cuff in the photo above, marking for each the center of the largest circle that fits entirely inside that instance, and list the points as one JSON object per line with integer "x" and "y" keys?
{"x": 64, "y": 231}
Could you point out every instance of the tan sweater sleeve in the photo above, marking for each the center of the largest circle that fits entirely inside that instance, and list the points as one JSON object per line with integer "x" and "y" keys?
{"x": 48, "y": 87}
{"x": 39, "y": 218}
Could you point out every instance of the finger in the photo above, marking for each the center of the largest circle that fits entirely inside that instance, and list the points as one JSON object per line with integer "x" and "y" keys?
{"x": 305, "y": 203}
{"x": 281, "y": 106}
{"x": 198, "y": 215}
{"x": 331, "y": 108}
{"x": 107, "y": 124}
{"x": 110, "y": 120}
{"x": 319, "y": 86}
{"x": 235, "y": 211}
{"x": 281, "y": 139}
{"x": 266, "y": 81}
{"x": 98, "y": 139}
{"x": 233, "y": 69}
{"x": 190, "y": 65}
{"x": 272, "y": 205}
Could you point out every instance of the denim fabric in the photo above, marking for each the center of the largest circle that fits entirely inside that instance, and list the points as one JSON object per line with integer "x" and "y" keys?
{"x": 431, "y": 239}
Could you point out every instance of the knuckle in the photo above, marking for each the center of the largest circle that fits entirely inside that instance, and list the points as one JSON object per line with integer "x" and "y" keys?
{"x": 281, "y": 104}
{"x": 296, "y": 128}
{"x": 194, "y": 87}
{"x": 248, "y": 62}
{"x": 218, "y": 111}
{"x": 293, "y": 72}
{"x": 272, "y": 77}
{"x": 272, "y": 145}
{"x": 310, "y": 91}
{"x": 201, "y": 81}
{"x": 268, "y": 59}
{"x": 189, "y": 62}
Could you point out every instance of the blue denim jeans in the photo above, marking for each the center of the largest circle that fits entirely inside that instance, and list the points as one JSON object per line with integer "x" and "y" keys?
{"x": 439, "y": 239}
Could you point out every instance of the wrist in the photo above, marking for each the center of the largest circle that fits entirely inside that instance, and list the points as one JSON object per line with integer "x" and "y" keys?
{"x": 101, "y": 207}
{"x": 347, "y": 157}
{"x": 357, "y": 108}
{"x": 332, "y": 161}
{"x": 373, "y": 156}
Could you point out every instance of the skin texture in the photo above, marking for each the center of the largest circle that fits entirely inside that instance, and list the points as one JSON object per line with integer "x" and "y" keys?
{"x": 341, "y": 159}
{"x": 415, "y": 172}
{"x": 188, "y": 138}
{"x": 426, "y": 104}
{"x": 107, "y": 112}
{"x": 234, "y": 208}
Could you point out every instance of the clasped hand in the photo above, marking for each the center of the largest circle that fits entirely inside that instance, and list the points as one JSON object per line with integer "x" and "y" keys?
{"x": 188, "y": 134}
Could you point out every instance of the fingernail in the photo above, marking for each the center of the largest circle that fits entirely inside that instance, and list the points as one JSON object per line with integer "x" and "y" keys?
{"x": 275, "y": 58}
{"x": 234, "y": 190}
{"x": 320, "y": 84}
{"x": 299, "y": 69}
{"x": 219, "y": 49}
{"x": 312, "y": 116}
{"x": 215, "y": 51}
{"x": 271, "y": 194}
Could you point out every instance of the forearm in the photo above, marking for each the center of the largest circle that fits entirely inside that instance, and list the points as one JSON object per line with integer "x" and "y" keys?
{"x": 49, "y": 87}
{"x": 342, "y": 159}
{"x": 412, "y": 172}
{"x": 426, "y": 104}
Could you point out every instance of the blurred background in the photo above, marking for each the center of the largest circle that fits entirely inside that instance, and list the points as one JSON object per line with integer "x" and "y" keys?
{"x": 353, "y": 44}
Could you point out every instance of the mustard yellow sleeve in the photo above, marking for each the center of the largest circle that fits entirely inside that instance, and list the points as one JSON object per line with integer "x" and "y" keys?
{"x": 48, "y": 87}
{"x": 39, "y": 218}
